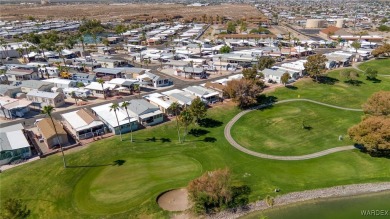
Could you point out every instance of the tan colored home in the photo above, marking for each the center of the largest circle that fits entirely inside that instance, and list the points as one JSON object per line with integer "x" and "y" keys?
{"x": 45, "y": 127}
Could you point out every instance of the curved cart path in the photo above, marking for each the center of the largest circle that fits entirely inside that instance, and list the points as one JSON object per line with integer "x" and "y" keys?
{"x": 230, "y": 139}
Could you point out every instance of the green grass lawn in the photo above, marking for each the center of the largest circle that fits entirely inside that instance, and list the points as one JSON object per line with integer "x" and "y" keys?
{"x": 154, "y": 166}
{"x": 279, "y": 131}
{"x": 339, "y": 93}
{"x": 382, "y": 65}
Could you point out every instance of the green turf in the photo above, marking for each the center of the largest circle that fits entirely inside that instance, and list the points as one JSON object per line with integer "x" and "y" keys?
{"x": 279, "y": 131}
{"x": 340, "y": 93}
{"x": 382, "y": 65}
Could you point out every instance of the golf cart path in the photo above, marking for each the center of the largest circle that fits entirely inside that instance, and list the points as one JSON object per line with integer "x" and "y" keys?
{"x": 229, "y": 138}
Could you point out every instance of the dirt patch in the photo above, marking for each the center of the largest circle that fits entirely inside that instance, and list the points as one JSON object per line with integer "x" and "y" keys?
{"x": 107, "y": 12}
{"x": 174, "y": 200}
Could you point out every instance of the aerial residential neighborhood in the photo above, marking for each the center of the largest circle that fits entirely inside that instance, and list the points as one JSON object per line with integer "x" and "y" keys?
{"x": 213, "y": 109}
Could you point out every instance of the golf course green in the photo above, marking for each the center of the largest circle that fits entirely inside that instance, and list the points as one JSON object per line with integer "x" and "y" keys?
{"x": 382, "y": 65}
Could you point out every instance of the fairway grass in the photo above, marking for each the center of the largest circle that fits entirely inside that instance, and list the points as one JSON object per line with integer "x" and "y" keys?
{"x": 382, "y": 65}
{"x": 278, "y": 130}
{"x": 339, "y": 93}
{"x": 92, "y": 187}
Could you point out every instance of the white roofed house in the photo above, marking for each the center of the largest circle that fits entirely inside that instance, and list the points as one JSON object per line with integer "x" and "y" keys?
{"x": 191, "y": 72}
{"x": 147, "y": 114}
{"x": 11, "y": 108}
{"x": 205, "y": 94}
{"x": 18, "y": 74}
{"x": 275, "y": 74}
{"x": 13, "y": 144}
{"x": 43, "y": 98}
{"x": 99, "y": 91}
{"x": 61, "y": 83}
{"x": 182, "y": 97}
{"x": 162, "y": 101}
{"x": 108, "y": 72}
{"x": 153, "y": 80}
{"x": 83, "y": 124}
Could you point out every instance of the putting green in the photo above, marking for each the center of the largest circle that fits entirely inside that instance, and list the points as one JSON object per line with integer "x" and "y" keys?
{"x": 279, "y": 131}
{"x": 114, "y": 189}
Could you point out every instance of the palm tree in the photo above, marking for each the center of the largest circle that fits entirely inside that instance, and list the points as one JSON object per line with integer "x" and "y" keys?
{"x": 48, "y": 111}
{"x": 138, "y": 88}
{"x": 125, "y": 105}
{"x": 115, "y": 107}
{"x": 101, "y": 82}
{"x": 186, "y": 119}
{"x": 20, "y": 51}
{"x": 74, "y": 96}
{"x": 174, "y": 107}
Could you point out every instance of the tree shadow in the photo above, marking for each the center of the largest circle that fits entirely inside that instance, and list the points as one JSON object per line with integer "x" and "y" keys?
{"x": 291, "y": 87}
{"x": 354, "y": 82}
{"x": 198, "y": 132}
{"x": 373, "y": 80}
{"x": 154, "y": 139}
{"x": 374, "y": 153}
{"x": 308, "y": 128}
{"x": 326, "y": 80}
{"x": 209, "y": 123}
{"x": 264, "y": 99}
{"x": 210, "y": 139}
{"x": 114, "y": 163}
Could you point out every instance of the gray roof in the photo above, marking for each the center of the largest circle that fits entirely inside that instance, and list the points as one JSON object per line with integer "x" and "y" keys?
{"x": 277, "y": 72}
{"x": 197, "y": 90}
{"x": 108, "y": 70}
{"x": 12, "y": 141}
{"x": 17, "y": 71}
{"x": 45, "y": 94}
{"x": 33, "y": 84}
{"x": 132, "y": 70}
{"x": 85, "y": 76}
{"x": 4, "y": 88}
{"x": 182, "y": 98}
{"x": 140, "y": 106}
{"x": 193, "y": 70}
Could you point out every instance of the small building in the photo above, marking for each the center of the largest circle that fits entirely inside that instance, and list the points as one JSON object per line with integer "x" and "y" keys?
{"x": 83, "y": 124}
{"x": 61, "y": 83}
{"x": 146, "y": 113}
{"x": 153, "y": 80}
{"x": 18, "y": 74}
{"x": 190, "y": 72}
{"x": 43, "y": 98}
{"x": 79, "y": 92}
{"x": 27, "y": 86}
{"x": 48, "y": 134}
{"x": 205, "y": 94}
{"x": 9, "y": 90}
{"x": 11, "y": 108}
{"x": 162, "y": 101}
{"x": 215, "y": 86}
{"x": 179, "y": 96}
{"x": 14, "y": 144}
{"x": 99, "y": 91}
{"x": 84, "y": 78}
{"x": 110, "y": 72}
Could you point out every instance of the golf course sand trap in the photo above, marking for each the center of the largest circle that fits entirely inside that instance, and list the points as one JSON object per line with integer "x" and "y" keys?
{"x": 174, "y": 200}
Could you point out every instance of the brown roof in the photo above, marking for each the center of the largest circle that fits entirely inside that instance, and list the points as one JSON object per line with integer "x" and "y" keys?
{"x": 86, "y": 115}
{"x": 216, "y": 86}
{"x": 47, "y": 130}
{"x": 331, "y": 29}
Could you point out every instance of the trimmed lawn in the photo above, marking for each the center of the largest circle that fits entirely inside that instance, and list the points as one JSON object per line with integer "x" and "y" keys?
{"x": 279, "y": 131}
{"x": 382, "y": 65}
{"x": 339, "y": 93}
{"x": 153, "y": 166}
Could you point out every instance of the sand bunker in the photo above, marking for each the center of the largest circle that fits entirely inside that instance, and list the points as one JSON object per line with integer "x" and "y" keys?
{"x": 174, "y": 200}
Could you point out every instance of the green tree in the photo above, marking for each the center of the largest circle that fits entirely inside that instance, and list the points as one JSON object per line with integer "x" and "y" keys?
{"x": 198, "y": 109}
{"x": 231, "y": 27}
{"x": 74, "y": 96}
{"x": 243, "y": 27}
{"x": 115, "y": 107}
{"x": 250, "y": 73}
{"x": 225, "y": 49}
{"x": 124, "y": 105}
{"x": 48, "y": 110}
{"x": 185, "y": 118}
{"x": 120, "y": 29}
{"x": 384, "y": 28}
{"x": 80, "y": 84}
{"x": 371, "y": 73}
{"x": 285, "y": 77}
{"x": 105, "y": 42}
{"x": 174, "y": 108}
{"x": 101, "y": 82}
{"x": 244, "y": 92}
{"x": 356, "y": 45}
{"x": 384, "y": 20}
{"x": 265, "y": 62}
{"x": 14, "y": 209}
{"x": 316, "y": 65}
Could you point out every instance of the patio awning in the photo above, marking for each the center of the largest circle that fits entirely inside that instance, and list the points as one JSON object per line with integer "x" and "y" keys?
{"x": 148, "y": 115}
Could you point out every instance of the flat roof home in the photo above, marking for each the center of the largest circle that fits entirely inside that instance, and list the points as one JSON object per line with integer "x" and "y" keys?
{"x": 9, "y": 90}
{"x": 207, "y": 95}
{"x": 18, "y": 74}
{"x": 147, "y": 114}
{"x": 110, "y": 72}
{"x": 46, "y": 129}
{"x": 27, "y": 86}
{"x": 43, "y": 98}
{"x": 14, "y": 144}
{"x": 83, "y": 78}
{"x": 153, "y": 80}
{"x": 12, "y": 108}
{"x": 182, "y": 97}
{"x": 99, "y": 91}
{"x": 61, "y": 83}
{"x": 108, "y": 117}
{"x": 83, "y": 124}
{"x": 189, "y": 72}
{"x": 162, "y": 101}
